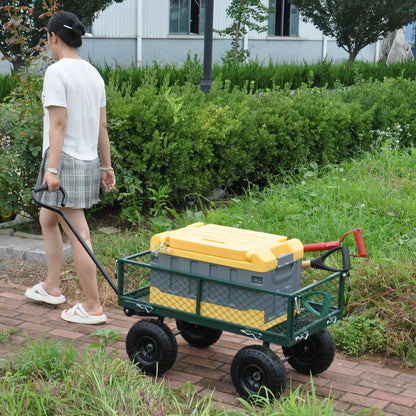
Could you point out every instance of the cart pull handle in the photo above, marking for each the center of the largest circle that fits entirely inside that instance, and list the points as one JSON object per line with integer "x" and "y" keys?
{"x": 326, "y": 303}
{"x": 362, "y": 252}
{"x": 41, "y": 188}
{"x": 320, "y": 262}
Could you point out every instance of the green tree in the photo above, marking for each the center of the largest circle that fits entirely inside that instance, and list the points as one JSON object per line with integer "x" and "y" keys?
{"x": 28, "y": 18}
{"x": 357, "y": 23}
{"x": 247, "y": 15}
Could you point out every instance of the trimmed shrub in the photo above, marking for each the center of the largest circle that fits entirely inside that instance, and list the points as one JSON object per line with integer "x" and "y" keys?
{"x": 171, "y": 143}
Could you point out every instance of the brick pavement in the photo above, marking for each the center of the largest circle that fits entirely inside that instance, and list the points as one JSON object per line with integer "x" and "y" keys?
{"x": 353, "y": 384}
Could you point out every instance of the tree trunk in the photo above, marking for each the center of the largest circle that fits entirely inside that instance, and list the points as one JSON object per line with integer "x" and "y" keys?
{"x": 237, "y": 39}
{"x": 238, "y": 30}
{"x": 18, "y": 63}
{"x": 351, "y": 58}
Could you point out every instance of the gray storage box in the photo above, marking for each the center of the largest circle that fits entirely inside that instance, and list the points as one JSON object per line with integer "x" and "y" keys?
{"x": 245, "y": 303}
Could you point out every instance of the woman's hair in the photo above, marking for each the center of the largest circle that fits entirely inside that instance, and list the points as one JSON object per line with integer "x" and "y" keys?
{"x": 68, "y": 27}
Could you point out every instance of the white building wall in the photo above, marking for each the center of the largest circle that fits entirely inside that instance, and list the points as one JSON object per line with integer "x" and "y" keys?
{"x": 155, "y": 18}
{"x": 117, "y": 21}
{"x": 221, "y": 20}
{"x": 137, "y": 31}
{"x": 308, "y": 30}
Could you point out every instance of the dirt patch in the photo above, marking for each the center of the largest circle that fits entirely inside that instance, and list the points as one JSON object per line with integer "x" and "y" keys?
{"x": 20, "y": 275}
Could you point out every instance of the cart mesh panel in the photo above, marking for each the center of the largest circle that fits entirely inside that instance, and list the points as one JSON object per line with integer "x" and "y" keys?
{"x": 142, "y": 284}
{"x": 323, "y": 300}
{"x": 133, "y": 280}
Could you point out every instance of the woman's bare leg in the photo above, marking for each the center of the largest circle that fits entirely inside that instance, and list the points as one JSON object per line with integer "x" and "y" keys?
{"x": 84, "y": 265}
{"x": 52, "y": 237}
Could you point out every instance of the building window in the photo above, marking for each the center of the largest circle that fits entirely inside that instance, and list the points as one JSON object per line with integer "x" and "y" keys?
{"x": 187, "y": 17}
{"x": 283, "y": 21}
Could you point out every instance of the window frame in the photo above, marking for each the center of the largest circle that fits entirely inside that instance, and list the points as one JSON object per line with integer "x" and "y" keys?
{"x": 187, "y": 9}
{"x": 288, "y": 26}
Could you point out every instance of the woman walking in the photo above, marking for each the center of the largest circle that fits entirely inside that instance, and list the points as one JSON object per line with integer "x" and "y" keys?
{"x": 75, "y": 129}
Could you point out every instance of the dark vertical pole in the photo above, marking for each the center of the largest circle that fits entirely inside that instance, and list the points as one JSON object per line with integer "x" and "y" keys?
{"x": 209, "y": 17}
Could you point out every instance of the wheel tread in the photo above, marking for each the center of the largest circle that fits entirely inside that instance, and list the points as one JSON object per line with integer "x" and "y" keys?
{"x": 158, "y": 332}
{"x": 269, "y": 364}
{"x": 318, "y": 356}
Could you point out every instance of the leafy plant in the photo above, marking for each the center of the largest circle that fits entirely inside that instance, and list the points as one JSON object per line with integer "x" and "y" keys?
{"x": 7, "y": 84}
{"x": 358, "y": 334}
{"x": 21, "y": 125}
{"x": 24, "y": 20}
{"x": 6, "y": 333}
{"x": 105, "y": 336}
{"x": 47, "y": 359}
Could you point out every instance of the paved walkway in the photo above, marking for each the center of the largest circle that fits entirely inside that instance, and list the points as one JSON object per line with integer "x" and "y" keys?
{"x": 354, "y": 385}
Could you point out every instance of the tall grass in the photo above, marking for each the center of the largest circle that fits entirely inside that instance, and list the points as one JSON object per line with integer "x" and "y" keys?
{"x": 48, "y": 378}
{"x": 318, "y": 204}
{"x": 376, "y": 192}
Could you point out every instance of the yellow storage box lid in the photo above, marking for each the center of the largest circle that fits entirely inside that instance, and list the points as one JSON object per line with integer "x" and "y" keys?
{"x": 227, "y": 246}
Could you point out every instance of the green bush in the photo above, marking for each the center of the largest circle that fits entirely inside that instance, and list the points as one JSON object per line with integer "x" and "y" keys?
{"x": 391, "y": 105}
{"x": 172, "y": 144}
{"x": 358, "y": 334}
{"x": 190, "y": 71}
{"x": 7, "y": 84}
{"x": 175, "y": 144}
{"x": 21, "y": 145}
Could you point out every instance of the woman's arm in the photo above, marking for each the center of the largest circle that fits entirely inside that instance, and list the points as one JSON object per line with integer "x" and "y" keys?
{"x": 57, "y": 117}
{"x": 108, "y": 178}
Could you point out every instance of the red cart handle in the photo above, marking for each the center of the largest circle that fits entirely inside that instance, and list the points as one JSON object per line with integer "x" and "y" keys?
{"x": 362, "y": 252}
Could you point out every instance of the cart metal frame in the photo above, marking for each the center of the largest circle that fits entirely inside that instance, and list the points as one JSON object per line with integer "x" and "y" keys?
{"x": 300, "y": 324}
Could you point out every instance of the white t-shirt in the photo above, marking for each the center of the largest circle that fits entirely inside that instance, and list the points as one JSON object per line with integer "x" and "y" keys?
{"x": 76, "y": 85}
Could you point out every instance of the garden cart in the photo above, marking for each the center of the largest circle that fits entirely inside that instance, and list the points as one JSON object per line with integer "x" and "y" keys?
{"x": 209, "y": 279}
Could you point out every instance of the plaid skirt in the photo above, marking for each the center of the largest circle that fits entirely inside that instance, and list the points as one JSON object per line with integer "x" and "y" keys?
{"x": 80, "y": 179}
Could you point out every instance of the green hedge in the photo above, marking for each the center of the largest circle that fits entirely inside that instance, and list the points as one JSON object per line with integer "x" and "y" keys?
{"x": 254, "y": 75}
{"x": 262, "y": 76}
{"x": 172, "y": 144}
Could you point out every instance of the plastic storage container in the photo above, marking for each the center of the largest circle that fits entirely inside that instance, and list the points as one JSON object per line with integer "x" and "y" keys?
{"x": 253, "y": 262}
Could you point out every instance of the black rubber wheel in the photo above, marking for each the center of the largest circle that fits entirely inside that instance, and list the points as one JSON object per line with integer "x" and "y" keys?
{"x": 197, "y": 335}
{"x": 256, "y": 367}
{"x": 151, "y": 345}
{"x": 313, "y": 355}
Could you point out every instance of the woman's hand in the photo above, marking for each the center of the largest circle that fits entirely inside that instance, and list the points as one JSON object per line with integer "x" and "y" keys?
{"x": 108, "y": 179}
{"x": 52, "y": 180}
